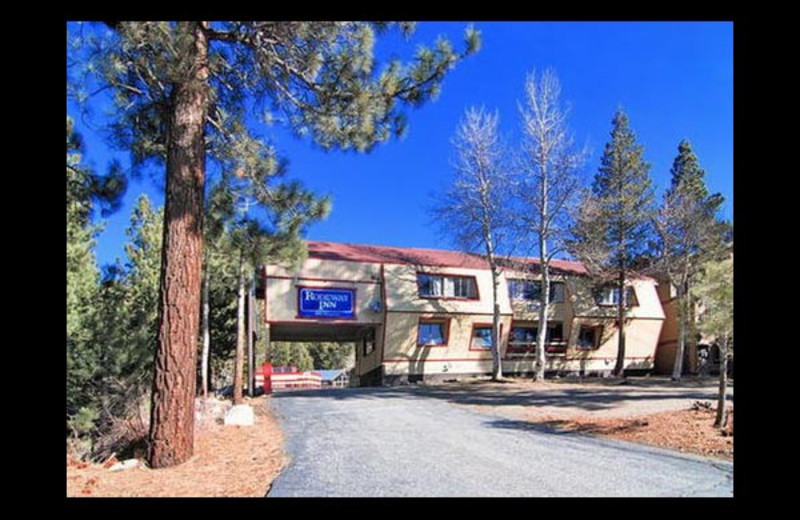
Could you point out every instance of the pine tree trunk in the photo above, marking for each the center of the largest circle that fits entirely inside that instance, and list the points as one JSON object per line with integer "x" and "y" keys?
{"x": 619, "y": 367}
{"x": 677, "y": 368}
{"x": 722, "y": 413}
{"x": 238, "y": 374}
{"x": 206, "y": 335}
{"x": 172, "y": 412}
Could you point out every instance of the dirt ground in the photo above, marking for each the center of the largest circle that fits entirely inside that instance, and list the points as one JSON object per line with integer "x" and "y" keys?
{"x": 654, "y": 411}
{"x": 229, "y": 461}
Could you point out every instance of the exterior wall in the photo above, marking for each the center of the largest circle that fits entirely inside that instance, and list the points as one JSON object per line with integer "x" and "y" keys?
{"x": 668, "y": 341}
{"x": 403, "y": 357}
{"x": 371, "y": 361}
{"x": 397, "y": 355}
{"x": 402, "y": 292}
{"x": 281, "y": 289}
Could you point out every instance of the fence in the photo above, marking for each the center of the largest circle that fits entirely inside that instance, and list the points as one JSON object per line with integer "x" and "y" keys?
{"x": 283, "y": 378}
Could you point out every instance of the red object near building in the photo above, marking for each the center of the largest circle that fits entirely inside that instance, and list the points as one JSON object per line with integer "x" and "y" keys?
{"x": 280, "y": 378}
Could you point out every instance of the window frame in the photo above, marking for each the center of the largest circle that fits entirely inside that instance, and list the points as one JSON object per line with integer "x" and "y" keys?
{"x": 598, "y": 335}
{"x": 632, "y": 299}
{"x": 368, "y": 339}
{"x": 551, "y": 348}
{"x": 444, "y": 322}
{"x": 485, "y": 326}
{"x": 536, "y": 283}
{"x": 444, "y": 296}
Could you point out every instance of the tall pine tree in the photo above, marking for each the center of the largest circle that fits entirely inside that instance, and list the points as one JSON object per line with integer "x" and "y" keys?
{"x": 689, "y": 234}
{"x": 183, "y": 90}
{"x": 613, "y": 222}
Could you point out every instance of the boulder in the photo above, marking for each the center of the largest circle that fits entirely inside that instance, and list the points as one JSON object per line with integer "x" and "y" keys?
{"x": 125, "y": 464}
{"x": 240, "y": 415}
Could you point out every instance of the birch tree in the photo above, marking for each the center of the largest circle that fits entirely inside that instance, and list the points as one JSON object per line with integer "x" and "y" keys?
{"x": 548, "y": 184}
{"x": 473, "y": 211}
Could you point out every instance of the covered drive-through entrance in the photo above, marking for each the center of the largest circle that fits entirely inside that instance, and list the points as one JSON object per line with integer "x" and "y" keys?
{"x": 363, "y": 337}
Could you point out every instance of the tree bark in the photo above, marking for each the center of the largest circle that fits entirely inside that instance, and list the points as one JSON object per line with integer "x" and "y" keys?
{"x": 238, "y": 374}
{"x": 677, "y": 368}
{"x": 545, "y": 284}
{"x": 722, "y": 413}
{"x": 252, "y": 331}
{"x": 542, "y": 335}
{"x": 206, "y": 335}
{"x": 619, "y": 367}
{"x": 497, "y": 365}
{"x": 172, "y": 411}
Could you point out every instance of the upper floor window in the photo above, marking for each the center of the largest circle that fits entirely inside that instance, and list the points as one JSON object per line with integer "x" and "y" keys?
{"x": 531, "y": 290}
{"x": 447, "y": 286}
{"x": 606, "y": 296}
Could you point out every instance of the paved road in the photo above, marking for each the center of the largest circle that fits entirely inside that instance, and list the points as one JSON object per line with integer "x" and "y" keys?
{"x": 402, "y": 443}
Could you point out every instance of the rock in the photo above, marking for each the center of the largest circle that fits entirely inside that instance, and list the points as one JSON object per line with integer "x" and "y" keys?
{"x": 125, "y": 464}
{"x": 240, "y": 415}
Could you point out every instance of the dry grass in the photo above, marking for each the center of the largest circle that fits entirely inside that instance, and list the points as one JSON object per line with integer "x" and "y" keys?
{"x": 229, "y": 461}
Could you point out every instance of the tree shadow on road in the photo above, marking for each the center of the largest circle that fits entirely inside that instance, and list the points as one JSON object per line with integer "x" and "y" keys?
{"x": 593, "y": 397}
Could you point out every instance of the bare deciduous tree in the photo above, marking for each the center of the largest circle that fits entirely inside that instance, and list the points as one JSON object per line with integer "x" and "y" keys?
{"x": 473, "y": 211}
{"x": 548, "y": 183}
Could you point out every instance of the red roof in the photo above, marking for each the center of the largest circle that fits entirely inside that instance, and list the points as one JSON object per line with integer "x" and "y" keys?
{"x": 429, "y": 257}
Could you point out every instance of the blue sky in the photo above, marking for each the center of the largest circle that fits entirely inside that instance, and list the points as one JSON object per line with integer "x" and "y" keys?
{"x": 674, "y": 80}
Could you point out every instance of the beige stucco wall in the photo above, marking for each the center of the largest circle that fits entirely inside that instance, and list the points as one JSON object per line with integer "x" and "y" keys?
{"x": 583, "y": 302}
{"x": 281, "y": 293}
{"x": 403, "y": 355}
{"x": 402, "y": 291}
{"x": 371, "y": 361}
{"x": 400, "y": 354}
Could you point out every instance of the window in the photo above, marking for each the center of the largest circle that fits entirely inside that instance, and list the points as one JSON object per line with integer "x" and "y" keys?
{"x": 432, "y": 332}
{"x": 481, "y": 337}
{"x": 368, "y": 342}
{"x": 530, "y": 290}
{"x": 589, "y": 337}
{"x": 523, "y": 338}
{"x": 608, "y": 296}
{"x": 440, "y": 286}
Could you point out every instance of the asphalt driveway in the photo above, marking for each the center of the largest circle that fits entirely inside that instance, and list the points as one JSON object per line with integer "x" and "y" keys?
{"x": 401, "y": 442}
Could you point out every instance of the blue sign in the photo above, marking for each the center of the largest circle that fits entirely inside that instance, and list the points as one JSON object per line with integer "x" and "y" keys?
{"x": 326, "y": 303}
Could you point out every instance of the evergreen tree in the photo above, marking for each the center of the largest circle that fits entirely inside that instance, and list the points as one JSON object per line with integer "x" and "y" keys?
{"x": 689, "y": 234}
{"x": 331, "y": 356}
{"x": 715, "y": 291}
{"x": 284, "y": 354}
{"x": 84, "y": 190}
{"x": 125, "y": 328}
{"x": 613, "y": 222}
{"x": 183, "y": 89}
